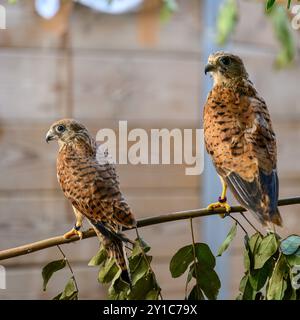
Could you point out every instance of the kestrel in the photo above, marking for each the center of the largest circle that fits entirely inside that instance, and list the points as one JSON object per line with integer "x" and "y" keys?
{"x": 89, "y": 180}
{"x": 240, "y": 139}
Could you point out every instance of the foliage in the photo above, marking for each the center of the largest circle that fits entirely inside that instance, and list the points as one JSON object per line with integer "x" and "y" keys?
{"x": 167, "y": 10}
{"x": 227, "y": 20}
{"x": 282, "y": 29}
{"x": 200, "y": 262}
{"x": 143, "y": 286}
{"x": 228, "y": 17}
{"x": 269, "y": 268}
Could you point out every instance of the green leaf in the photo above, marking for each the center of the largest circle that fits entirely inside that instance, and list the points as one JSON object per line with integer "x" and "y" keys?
{"x": 226, "y": 20}
{"x": 118, "y": 289}
{"x": 152, "y": 295}
{"x": 50, "y": 268}
{"x": 204, "y": 255}
{"x": 167, "y": 10}
{"x": 108, "y": 271}
{"x": 70, "y": 292}
{"x": 99, "y": 258}
{"x": 277, "y": 283}
{"x": 196, "y": 294}
{"x": 284, "y": 35}
{"x": 249, "y": 293}
{"x": 265, "y": 250}
{"x": 208, "y": 281}
{"x": 141, "y": 269}
{"x": 231, "y": 234}
{"x": 289, "y": 4}
{"x": 243, "y": 283}
{"x": 141, "y": 289}
{"x": 293, "y": 260}
{"x": 247, "y": 255}
{"x": 139, "y": 246}
{"x": 270, "y": 4}
{"x": 255, "y": 241}
{"x": 259, "y": 277}
{"x": 185, "y": 256}
{"x": 290, "y": 245}
{"x": 181, "y": 260}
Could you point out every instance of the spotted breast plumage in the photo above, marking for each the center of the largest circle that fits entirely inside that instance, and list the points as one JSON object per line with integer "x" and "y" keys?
{"x": 89, "y": 180}
{"x": 240, "y": 139}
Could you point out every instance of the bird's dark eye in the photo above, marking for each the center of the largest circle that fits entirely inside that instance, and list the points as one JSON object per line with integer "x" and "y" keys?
{"x": 60, "y": 128}
{"x": 225, "y": 61}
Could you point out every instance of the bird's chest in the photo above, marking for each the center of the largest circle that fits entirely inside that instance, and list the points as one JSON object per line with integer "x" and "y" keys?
{"x": 226, "y": 115}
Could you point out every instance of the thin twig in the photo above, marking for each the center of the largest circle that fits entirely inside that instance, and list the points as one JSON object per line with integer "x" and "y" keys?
{"x": 182, "y": 215}
{"x": 237, "y": 221}
{"x": 194, "y": 253}
{"x": 251, "y": 224}
{"x": 147, "y": 261}
{"x": 69, "y": 266}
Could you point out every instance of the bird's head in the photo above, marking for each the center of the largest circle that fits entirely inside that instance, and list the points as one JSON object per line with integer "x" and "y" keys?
{"x": 225, "y": 67}
{"x": 65, "y": 131}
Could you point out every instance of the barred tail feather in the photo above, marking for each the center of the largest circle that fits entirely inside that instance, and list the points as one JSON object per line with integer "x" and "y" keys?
{"x": 114, "y": 244}
{"x": 116, "y": 249}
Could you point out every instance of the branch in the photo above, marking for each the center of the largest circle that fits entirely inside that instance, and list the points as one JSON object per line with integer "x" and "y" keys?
{"x": 181, "y": 215}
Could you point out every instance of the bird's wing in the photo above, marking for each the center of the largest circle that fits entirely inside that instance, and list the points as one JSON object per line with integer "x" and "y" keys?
{"x": 92, "y": 185}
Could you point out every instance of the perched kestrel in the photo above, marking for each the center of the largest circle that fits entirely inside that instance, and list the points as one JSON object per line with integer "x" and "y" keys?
{"x": 240, "y": 139}
{"x": 89, "y": 180}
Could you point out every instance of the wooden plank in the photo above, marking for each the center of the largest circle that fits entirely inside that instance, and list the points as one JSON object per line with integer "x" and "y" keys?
{"x": 19, "y": 280}
{"x": 32, "y": 85}
{"x": 28, "y": 163}
{"x": 93, "y": 30}
{"x": 115, "y": 87}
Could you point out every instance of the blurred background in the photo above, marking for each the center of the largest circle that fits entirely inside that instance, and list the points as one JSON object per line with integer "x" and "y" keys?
{"x": 145, "y": 66}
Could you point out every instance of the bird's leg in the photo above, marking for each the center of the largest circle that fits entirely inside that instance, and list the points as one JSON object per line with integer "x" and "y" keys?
{"x": 75, "y": 231}
{"x": 222, "y": 201}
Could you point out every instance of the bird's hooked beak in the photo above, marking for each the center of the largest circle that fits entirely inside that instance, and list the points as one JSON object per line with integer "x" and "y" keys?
{"x": 209, "y": 68}
{"x": 50, "y": 136}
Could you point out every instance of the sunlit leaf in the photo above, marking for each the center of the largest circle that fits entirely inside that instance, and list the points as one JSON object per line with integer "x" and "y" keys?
{"x": 140, "y": 246}
{"x": 70, "y": 292}
{"x": 108, "y": 271}
{"x": 99, "y": 258}
{"x": 277, "y": 283}
{"x": 265, "y": 250}
{"x": 50, "y": 268}
{"x": 231, "y": 234}
{"x": 141, "y": 269}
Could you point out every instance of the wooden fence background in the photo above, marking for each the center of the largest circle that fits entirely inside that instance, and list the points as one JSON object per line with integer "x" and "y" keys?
{"x": 101, "y": 69}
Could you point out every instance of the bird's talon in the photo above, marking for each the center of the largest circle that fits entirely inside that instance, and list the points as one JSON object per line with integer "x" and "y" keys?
{"x": 72, "y": 233}
{"x": 220, "y": 204}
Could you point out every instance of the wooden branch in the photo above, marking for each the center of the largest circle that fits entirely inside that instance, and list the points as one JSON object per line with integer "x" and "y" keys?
{"x": 181, "y": 215}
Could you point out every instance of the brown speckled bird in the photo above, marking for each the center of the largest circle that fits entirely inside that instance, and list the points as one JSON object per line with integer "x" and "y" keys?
{"x": 88, "y": 179}
{"x": 240, "y": 139}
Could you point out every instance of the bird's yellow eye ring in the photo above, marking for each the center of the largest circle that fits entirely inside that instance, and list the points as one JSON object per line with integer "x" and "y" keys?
{"x": 225, "y": 61}
{"x": 60, "y": 128}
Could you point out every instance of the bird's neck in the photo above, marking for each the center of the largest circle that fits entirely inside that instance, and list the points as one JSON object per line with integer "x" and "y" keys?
{"x": 82, "y": 145}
